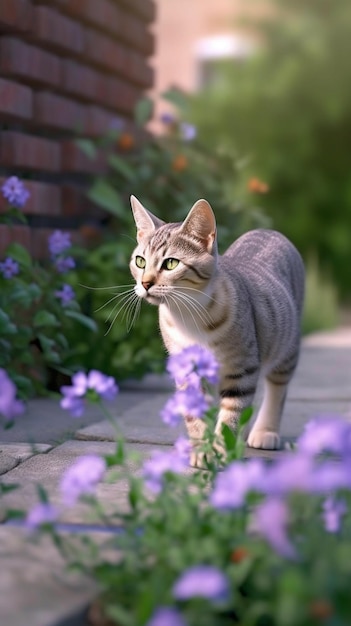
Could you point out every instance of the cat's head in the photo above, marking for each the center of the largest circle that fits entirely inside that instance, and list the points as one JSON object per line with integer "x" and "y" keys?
{"x": 174, "y": 258}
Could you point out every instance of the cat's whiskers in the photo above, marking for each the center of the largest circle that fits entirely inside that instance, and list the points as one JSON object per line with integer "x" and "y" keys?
{"x": 181, "y": 299}
{"x": 111, "y": 287}
{"x": 122, "y": 304}
{"x": 115, "y": 296}
{"x": 217, "y": 299}
{"x": 197, "y": 307}
{"x": 131, "y": 300}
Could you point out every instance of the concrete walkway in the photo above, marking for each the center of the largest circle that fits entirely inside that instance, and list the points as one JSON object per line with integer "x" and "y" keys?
{"x": 35, "y": 589}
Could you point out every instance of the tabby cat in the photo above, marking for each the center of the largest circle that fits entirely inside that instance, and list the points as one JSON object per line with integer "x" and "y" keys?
{"x": 245, "y": 306}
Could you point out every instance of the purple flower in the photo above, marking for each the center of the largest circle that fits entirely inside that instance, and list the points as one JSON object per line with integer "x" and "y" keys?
{"x": 183, "y": 448}
{"x": 64, "y": 264}
{"x": 270, "y": 520}
{"x": 166, "y": 616}
{"x": 193, "y": 359}
{"x": 82, "y": 478}
{"x": 159, "y": 463}
{"x": 235, "y": 482}
{"x": 66, "y": 294}
{"x": 187, "y": 131}
{"x": 42, "y": 513}
{"x": 293, "y": 472}
{"x": 10, "y": 407}
{"x": 72, "y": 403}
{"x": 104, "y": 387}
{"x": 9, "y": 268}
{"x": 15, "y": 192}
{"x": 59, "y": 242}
{"x": 201, "y": 581}
{"x": 333, "y": 512}
{"x": 167, "y": 119}
{"x": 326, "y": 434}
{"x": 185, "y": 402}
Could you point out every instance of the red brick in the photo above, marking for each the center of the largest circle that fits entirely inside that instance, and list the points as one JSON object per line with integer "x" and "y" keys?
{"x": 101, "y": 14}
{"x": 11, "y": 234}
{"x": 39, "y": 243}
{"x": 56, "y": 30}
{"x": 116, "y": 58}
{"x": 28, "y": 152}
{"x": 76, "y": 203}
{"x": 28, "y": 63}
{"x": 121, "y": 96}
{"x": 15, "y": 15}
{"x": 144, "y": 8}
{"x": 44, "y": 199}
{"x": 105, "y": 52}
{"x": 140, "y": 72}
{"x": 74, "y": 160}
{"x": 135, "y": 33}
{"x": 99, "y": 121}
{"x": 52, "y": 111}
{"x": 80, "y": 80}
{"x": 16, "y": 101}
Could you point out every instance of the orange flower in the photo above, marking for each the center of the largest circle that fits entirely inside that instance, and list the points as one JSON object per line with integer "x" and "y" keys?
{"x": 239, "y": 554}
{"x": 180, "y": 163}
{"x": 321, "y": 609}
{"x": 255, "y": 185}
{"x": 125, "y": 141}
{"x": 90, "y": 232}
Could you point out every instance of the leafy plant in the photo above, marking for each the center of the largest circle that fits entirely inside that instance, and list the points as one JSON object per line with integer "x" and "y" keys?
{"x": 38, "y": 309}
{"x": 236, "y": 546}
{"x": 288, "y": 108}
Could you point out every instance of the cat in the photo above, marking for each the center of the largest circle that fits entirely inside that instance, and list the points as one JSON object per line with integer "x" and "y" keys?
{"x": 245, "y": 306}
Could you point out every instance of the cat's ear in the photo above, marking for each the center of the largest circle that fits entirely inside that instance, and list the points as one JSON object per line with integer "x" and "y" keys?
{"x": 145, "y": 221}
{"x": 201, "y": 223}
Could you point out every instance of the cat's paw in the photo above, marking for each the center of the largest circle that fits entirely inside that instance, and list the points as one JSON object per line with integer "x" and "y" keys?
{"x": 198, "y": 459}
{"x": 264, "y": 439}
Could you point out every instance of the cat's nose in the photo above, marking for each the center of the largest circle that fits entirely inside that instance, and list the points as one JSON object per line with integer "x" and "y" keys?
{"x": 147, "y": 284}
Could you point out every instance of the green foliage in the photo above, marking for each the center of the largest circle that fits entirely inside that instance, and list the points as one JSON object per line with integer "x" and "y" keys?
{"x": 288, "y": 108}
{"x": 321, "y": 302}
{"x": 35, "y": 327}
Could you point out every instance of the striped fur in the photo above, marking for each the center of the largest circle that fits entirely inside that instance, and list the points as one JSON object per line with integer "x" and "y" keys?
{"x": 245, "y": 306}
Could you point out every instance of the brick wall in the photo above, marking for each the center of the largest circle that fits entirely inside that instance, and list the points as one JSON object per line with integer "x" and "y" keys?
{"x": 68, "y": 69}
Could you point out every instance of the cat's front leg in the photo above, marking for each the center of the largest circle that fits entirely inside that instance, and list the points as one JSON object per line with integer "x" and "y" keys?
{"x": 236, "y": 394}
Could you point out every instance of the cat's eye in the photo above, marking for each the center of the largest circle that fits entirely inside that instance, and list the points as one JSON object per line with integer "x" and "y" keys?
{"x": 140, "y": 262}
{"x": 170, "y": 264}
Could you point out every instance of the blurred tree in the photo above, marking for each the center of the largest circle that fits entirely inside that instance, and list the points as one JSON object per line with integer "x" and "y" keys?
{"x": 288, "y": 108}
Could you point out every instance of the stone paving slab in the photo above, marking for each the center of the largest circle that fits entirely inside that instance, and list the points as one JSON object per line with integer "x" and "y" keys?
{"x": 11, "y": 454}
{"x": 35, "y": 587}
{"x": 45, "y": 422}
{"x": 47, "y": 470}
{"x": 140, "y": 424}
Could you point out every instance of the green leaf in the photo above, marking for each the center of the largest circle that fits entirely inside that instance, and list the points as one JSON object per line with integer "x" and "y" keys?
{"x": 14, "y": 514}
{"x": 143, "y": 111}
{"x": 229, "y": 438}
{"x": 245, "y": 416}
{"x": 121, "y": 166}
{"x": 19, "y": 254}
{"x": 88, "y": 147}
{"x": 42, "y": 494}
{"x": 107, "y": 197}
{"x": 45, "y": 318}
{"x": 82, "y": 319}
{"x": 8, "y": 488}
{"x": 6, "y": 326}
{"x": 175, "y": 96}
{"x": 118, "y": 457}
